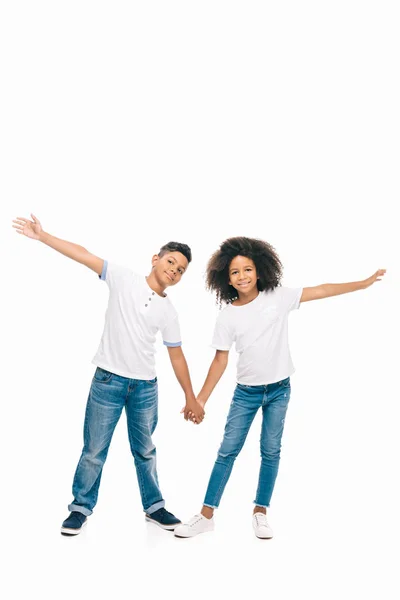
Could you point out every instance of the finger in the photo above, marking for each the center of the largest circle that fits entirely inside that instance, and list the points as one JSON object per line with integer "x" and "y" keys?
{"x": 34, "y": 218}
{"x": 22, "y": 223}
{"x": 23, "y": 219}
{"x": 20, "y": 232}
{"x": 18, "y": 227}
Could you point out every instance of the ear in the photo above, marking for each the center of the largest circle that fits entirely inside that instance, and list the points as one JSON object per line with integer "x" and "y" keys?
{"x": 155, "y": 260}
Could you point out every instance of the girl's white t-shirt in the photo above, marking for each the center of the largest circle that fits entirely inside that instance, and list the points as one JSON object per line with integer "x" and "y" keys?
{"x": 260, "y": 332}
{"x": 134, "y": 316}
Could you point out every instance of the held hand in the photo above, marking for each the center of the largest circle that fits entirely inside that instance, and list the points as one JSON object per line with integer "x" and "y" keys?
{"x": 191, "y": 416}
{"x": 32, "y": 229}
{"x": 193, "y": 411}
{"x": 375, "y": 277}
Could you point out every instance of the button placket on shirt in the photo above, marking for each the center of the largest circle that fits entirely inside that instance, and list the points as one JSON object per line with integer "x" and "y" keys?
{"x": 152, "y": 294}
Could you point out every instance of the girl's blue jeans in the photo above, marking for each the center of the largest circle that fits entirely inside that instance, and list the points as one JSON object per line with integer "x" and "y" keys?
{"x": 273, "y": 399}
{"x": 109, "y": 395}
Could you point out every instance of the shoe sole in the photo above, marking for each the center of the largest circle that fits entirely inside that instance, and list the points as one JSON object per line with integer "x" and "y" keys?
{"x": 264, "y": 537}
{"x": 192, "y": 535}
{"x": 166, "y": 527}
{"x": 69, "y": 532}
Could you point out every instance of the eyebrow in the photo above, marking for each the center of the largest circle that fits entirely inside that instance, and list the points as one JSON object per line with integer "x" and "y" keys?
{"x": 237, "y": 268}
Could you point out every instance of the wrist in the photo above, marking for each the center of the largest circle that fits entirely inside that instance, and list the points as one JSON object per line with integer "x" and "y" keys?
{"x": 202, "y": 400}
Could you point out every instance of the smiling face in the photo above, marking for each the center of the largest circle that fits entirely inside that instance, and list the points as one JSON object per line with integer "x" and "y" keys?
{"x": 168, "y": 268}
{"x": 243, "y": 277}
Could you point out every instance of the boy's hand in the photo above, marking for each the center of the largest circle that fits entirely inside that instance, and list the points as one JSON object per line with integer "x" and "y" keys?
{"x": 32, "y": 229}
{"x": 193, "y": 411}
{"x": 375, "y": 277}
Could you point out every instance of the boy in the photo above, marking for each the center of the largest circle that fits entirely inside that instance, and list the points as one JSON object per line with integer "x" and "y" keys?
{"x": 125, "y": 376}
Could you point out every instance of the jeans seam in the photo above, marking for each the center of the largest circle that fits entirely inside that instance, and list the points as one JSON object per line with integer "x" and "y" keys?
{"x": 224, "y": 480}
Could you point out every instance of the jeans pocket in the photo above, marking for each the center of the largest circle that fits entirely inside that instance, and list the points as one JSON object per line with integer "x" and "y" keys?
{"x": 151, "y": 381}
{"x": 102, "y": 376}
{"x": 286, "y": 382}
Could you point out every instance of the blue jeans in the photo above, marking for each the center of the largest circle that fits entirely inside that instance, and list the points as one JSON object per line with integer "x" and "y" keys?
{"x": 247, "y": 399}
{"x": 108, "y": 395}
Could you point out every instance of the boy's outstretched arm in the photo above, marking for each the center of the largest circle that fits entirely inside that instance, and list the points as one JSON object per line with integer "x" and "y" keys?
{"x": 33, "y": 229}
{"x": 214, "y": 374}
{"x": 181, "y": 371}
{"x": 327, "y": 290}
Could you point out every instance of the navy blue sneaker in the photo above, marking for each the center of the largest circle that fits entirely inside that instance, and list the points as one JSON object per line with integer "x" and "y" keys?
{"x": 163, "y": 519}
{"x": 73, "y": 524}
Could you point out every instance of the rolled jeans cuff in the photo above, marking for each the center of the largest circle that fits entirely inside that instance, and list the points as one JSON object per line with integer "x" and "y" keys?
{"x": 76, "y": 508}
{"x": 154, "y": 507}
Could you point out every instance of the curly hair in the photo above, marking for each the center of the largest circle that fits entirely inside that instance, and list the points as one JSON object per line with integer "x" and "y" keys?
{"x": 267, "y": 262}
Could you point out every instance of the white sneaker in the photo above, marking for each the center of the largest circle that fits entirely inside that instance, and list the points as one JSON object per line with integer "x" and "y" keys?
{"x": 197, "y": 524}
{"x": 261, "y": 527}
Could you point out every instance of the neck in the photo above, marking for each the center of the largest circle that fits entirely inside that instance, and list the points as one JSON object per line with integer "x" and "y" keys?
{"x": 154, "y": 285}
{"x": 246, "y": 298}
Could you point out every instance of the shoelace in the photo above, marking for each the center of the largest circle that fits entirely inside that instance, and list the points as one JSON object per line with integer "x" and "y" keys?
{"x": 261, "y": 520}
{"x": 194, "y": 520}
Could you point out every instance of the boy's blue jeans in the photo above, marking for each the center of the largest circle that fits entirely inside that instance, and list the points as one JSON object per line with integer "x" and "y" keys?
{"x": 108, "y": 395}
{"x": 247, "y": 399}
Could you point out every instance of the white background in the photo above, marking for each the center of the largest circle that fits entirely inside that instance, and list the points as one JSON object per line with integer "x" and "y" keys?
{"x": 125, "y": 125}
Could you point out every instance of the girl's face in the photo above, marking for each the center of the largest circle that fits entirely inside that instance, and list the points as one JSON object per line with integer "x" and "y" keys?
{"x": 243, "y": 275}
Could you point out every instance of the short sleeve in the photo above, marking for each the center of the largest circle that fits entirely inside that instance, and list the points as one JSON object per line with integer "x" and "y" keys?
{"x": 112, "y": 273}
{"x": 171, "y": 334}
{"x": 223, "y": 337}
{"x": 289, "y": 298}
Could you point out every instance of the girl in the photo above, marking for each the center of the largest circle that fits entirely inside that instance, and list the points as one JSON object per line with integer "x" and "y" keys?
{"x": 246, "y": 274}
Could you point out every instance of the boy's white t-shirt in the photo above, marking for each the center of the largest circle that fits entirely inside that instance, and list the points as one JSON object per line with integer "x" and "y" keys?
{"x": 260, "y": 332}
{"x": 134, "y": 316}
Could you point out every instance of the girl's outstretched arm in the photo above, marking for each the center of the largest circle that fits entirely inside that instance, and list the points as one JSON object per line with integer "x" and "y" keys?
{"x": 335, "y": 289}
{"x": 214, "y": 374}
{"x": 33, "y": 229}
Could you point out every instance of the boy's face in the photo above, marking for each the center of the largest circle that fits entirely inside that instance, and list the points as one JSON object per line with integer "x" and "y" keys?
{"x": 243, "y": 274}
{"x": 169, "y": 268}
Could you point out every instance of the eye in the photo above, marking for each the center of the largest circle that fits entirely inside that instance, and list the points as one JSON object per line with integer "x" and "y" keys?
{"x": 170, "y": 261}
{"x": 180, "y": 271}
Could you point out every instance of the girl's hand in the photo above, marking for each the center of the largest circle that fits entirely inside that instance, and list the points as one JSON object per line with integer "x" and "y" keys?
{"x": 191, "y": 416}
{"x": 193, "y": 411}
{"x": 375, "y": 277}
{"x": 32, "y": 229}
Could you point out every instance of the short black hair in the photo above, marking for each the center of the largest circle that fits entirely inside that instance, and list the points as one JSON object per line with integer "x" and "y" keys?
{"x": 176, "y": 247}
{"x": 267, "y": 262}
